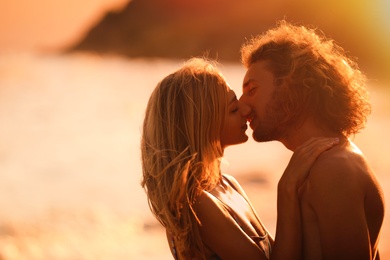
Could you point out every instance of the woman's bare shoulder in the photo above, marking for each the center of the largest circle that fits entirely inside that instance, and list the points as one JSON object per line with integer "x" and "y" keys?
{"x": 235, "y": 184}
{"x": 231, "y": 179}
{"x": 207, "y": 205}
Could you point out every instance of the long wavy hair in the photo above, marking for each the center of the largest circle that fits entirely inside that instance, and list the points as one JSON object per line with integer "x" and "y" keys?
{"x": 314, "y": 76}
{"x": 181, "y": 149}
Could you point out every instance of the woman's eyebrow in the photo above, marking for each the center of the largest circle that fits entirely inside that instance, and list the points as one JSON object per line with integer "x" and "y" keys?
{"x": 234, "y": 98}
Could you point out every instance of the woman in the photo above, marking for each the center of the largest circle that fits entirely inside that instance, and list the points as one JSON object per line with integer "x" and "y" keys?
{"x": 191, "y": 117}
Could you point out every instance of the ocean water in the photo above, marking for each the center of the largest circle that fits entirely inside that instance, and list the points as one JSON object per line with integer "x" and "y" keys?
{"x": 70, "y": 161}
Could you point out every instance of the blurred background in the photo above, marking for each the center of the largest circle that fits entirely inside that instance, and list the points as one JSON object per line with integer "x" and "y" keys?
{"x": 75, "y": 77}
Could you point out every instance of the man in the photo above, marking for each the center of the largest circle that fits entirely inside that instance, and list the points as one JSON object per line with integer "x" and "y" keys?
{"x": 301, "y": 85}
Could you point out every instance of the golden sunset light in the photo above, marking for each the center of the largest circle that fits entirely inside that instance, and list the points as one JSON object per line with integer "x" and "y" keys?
{"x": 75, "y": 79}
{"x": 46, "y": 24}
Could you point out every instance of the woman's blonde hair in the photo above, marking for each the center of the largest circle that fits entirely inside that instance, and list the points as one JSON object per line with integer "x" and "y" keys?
{"x": 181, "y": 147}
{"x": 320, "y": 80}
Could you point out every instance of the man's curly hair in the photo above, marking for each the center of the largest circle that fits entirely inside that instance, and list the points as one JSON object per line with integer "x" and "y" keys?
{"x": 314, "y": 75}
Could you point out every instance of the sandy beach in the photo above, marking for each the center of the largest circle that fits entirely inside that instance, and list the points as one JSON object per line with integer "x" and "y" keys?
{"x": 70, "y": 161}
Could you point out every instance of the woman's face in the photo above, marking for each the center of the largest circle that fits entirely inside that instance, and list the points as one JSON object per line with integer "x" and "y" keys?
{"x": 235, "y": 125}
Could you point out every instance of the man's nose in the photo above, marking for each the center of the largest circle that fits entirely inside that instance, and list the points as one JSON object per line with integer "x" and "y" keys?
{"x": 245, "y": 109}
{"x": 243, "y": 99}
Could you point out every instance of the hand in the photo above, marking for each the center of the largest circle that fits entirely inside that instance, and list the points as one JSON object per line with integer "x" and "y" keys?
{"x": 302, "y": 160}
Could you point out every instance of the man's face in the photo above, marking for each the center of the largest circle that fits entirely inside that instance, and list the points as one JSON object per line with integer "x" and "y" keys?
{"x": 258, "y": 93}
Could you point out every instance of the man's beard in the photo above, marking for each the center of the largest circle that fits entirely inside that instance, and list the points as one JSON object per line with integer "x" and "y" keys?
{"x": 276, "y": 124}
{"x": 269, "y": 129}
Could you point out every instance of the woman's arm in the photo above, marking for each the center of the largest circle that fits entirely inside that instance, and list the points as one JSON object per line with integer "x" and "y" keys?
{"x": 221, "y": 233}
{"x": 288, "y": 237}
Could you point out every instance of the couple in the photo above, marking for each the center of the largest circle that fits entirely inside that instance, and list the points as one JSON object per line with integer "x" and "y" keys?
{"x": 299, "y": 89}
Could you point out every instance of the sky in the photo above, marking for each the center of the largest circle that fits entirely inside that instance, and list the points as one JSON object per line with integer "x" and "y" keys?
{"x": 27, "y": 25}
{"x": 55, "y": 24}
{"x": 39, "y": 25}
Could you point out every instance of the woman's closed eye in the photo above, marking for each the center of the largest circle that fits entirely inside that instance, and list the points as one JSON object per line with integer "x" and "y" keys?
{"x": 234, "y": 109}
{"x": 233, "y": 104}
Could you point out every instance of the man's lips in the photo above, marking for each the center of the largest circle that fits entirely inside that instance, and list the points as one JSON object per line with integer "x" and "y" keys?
{"x": 250, "y": 118}
{"x": 251, "y": 123}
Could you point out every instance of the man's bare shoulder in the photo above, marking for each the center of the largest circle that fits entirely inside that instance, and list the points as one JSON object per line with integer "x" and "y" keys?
{"x": 345, "y": 158}
{"x": 341, "y": 168}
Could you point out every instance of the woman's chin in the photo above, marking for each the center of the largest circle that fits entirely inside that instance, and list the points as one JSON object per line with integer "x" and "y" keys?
{"x": 244, "y": 139}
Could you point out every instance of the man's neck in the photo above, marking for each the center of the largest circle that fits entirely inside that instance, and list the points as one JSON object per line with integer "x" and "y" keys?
{"x": 307, "y": 130}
